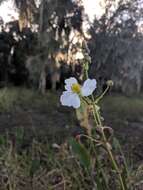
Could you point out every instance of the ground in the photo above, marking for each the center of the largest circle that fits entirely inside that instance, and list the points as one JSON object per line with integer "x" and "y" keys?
{"x": 45, "y": 117}
{"x": 42, "y": 119}
{"x": 38, "y": 115}
{"x": 125, "y": 116}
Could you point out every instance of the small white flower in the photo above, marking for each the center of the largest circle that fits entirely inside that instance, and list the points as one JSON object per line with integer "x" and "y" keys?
{"x": 71, "y": 97}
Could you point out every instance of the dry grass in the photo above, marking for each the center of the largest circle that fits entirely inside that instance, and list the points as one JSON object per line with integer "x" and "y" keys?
{"x": 40, "y": 166}
{"x": 44, "y": 166}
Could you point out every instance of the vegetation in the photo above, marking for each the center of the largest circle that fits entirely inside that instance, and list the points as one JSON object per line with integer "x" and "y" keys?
{"x": 46, "y": 146}
{"x": 11, "y": 98}
{"x": 123, "y": 107}
{"x": 56, "y": 35}
{"x": 43, "y": 166}
{"x": 115, "y": 104}
{"x": 47, "y": 156}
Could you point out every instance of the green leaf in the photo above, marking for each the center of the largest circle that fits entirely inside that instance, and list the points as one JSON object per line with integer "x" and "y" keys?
{"x": 2, "y": 140}
{"x": 35, "y": 165}
{"x": 19, "y": 134}
{"x": 82, "y": 153}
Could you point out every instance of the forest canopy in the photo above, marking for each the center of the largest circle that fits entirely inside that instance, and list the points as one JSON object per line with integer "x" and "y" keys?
{"x": 48, "y": 43}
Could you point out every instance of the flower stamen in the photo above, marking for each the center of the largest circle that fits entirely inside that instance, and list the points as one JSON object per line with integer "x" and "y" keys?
{"x": 76, "y": 88}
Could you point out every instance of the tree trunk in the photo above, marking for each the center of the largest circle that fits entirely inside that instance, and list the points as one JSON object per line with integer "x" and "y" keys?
{"x": 42, "y": 81}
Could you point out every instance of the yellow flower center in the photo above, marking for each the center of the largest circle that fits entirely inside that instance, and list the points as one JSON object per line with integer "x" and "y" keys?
{"x": 76, "y": 88}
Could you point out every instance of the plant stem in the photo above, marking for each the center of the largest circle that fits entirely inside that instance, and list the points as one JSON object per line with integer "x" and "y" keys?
{"x": 98, "y": 123}
{"x": 112, "y": 159}
{"x": 115, "y": 167}
{"x": 101, "y": 96}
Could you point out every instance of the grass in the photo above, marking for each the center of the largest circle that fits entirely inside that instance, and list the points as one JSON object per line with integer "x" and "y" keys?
{"x": 38, "y": 167}
{"x": 123, "y": 108}
{"x": 12, "y": 98}
{"x": 38, "y": 114}
{"x": 46, "y": 166}
{"x": 40, "y": 164}
{"x": 116, "y": 105}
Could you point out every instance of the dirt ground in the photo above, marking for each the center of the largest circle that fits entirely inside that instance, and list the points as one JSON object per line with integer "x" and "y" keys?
{"x": 57, "y": 123}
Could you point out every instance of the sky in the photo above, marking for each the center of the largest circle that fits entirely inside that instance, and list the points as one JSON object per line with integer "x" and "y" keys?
{"x": 92, "y": 7}
{"x": 7, "y": 12}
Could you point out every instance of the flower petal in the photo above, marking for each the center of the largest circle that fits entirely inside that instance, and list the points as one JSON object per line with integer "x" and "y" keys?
{"x": 75, "y": 101}
{"x": 88, "y": 87}
{"x": 70, "y": 99}
{"x": 65, "y": 98}
{"x": 69, "y": 82}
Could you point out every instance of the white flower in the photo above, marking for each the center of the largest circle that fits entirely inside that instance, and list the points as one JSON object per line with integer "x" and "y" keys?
{"x": 71, "y": 97}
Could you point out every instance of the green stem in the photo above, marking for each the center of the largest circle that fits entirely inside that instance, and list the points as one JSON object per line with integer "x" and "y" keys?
{"x": 99, "y": 124}
{"x": 103, "y": 94}
{"x": 86, "y": 101}
{"x": 101, "y": 185}
{"x": 96, "y": 115}
{"x": 86, "y": 74}
{"x": 116, "y": 167}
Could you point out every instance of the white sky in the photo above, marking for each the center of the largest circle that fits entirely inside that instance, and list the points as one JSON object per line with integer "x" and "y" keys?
{"x": 92, "y": 7}
{"x": 7, "y": 12}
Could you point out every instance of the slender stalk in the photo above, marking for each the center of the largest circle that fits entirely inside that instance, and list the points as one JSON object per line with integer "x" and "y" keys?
{"x": 112, "y": 159}
{"x": 116, "y": 167}
{"x": 98, "y": 123}
{"x": 97, "y": 160}
{"x": 95, "y": 115}
{"x": 101, "y": 96}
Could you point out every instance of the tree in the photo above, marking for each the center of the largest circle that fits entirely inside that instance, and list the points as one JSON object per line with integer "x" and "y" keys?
{"x": 15, "y": 46}
{"x": 116, "y": 45}
{"x": 54, "y": 20}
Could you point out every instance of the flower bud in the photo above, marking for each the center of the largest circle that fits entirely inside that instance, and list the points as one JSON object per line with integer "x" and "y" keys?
{"x": 110, "y": 83}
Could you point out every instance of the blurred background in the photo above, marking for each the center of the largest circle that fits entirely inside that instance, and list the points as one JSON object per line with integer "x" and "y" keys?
{"x": 44, "y": 42}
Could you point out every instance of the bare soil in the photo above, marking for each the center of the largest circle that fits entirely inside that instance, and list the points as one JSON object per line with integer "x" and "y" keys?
{"x": 58, "y": 123}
